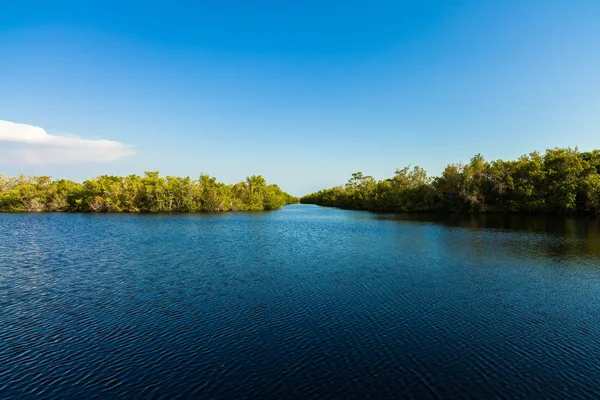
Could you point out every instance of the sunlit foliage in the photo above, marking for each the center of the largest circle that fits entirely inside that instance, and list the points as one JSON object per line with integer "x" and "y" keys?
{"x": 559, "y": 181}
{"x": 147, "y": 193}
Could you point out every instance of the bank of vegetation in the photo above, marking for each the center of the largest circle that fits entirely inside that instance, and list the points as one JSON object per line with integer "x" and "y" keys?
{"x": 147, "y": 193}
{"x": 562, "y": 180}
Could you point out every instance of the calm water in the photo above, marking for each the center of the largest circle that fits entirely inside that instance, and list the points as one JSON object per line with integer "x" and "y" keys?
{"x": 303, "y": 302}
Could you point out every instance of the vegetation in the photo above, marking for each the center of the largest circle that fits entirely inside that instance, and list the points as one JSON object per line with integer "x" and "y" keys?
{"x": 559, "y": 181}
{"x": 148, "y": 193}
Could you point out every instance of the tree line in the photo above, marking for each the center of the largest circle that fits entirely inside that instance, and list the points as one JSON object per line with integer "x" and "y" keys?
{"x": 562, "y": 180}
{"x": 133, "y": 193}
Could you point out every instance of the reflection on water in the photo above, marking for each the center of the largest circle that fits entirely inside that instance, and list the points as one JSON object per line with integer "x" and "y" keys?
{"x": 556, "y": 237}
{"x": 305, "y": 302}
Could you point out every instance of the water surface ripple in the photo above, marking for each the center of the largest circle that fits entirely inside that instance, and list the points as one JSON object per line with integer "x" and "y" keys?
{"x": 305, "y": 302}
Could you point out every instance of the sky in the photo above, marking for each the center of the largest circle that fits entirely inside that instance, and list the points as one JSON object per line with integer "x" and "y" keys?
{"x": 304, "y": 93}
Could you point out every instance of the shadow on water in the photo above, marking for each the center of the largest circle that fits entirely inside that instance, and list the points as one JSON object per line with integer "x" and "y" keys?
{"x": 558, "y": 237}
{"x": 548, "y": 224}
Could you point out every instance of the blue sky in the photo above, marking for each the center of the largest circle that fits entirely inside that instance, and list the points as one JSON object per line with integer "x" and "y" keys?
{"x": 304, "y": 93}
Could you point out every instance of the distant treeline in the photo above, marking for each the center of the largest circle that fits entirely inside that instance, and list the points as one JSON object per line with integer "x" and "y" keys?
{"x": 559, "y": 181}
{"x": 148, "y": 193}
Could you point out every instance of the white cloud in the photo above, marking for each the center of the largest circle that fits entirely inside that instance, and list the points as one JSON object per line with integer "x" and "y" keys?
{"x": 26, "y": 144}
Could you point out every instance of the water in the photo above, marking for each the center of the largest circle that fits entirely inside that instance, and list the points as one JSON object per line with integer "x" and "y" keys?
{"x": 303, "y": 302}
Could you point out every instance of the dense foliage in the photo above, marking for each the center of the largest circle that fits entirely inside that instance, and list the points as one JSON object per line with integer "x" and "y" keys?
{"x": 148, "y": 193}
{"x": 559, "y": 181}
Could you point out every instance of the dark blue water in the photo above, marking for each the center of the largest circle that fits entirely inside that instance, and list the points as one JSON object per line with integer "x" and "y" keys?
{"x": 305, "y": 302}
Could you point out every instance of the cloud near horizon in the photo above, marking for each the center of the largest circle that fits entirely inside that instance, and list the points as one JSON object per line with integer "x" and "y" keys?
{"x": 27, "y": 144}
